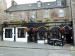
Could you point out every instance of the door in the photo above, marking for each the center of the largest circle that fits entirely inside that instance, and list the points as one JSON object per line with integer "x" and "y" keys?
{"x": 21, "y": 34}
{"x": 8, "y": 34}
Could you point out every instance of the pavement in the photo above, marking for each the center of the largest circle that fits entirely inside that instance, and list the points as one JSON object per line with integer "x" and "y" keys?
{"x": 5, "y": 51}
{"x": 33, "y": 49}
{"x": 35, "y": 46}
{"x": 8, "y": 48}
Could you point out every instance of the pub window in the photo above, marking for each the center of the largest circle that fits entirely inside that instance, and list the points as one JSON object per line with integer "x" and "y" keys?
{"x": 8, "y": 33}
{"x": 21, "y": 33}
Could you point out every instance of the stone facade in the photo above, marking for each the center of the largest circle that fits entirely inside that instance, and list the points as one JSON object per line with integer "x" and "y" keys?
{"x": 71, "y": 4}
{"x": 26, "y": 15}
{"x": 73, "y": 16}
{"x": 69, "y": 14}
{"x": 59, "y": 14}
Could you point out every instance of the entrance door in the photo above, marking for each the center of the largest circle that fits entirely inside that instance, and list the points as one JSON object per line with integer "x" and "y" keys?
{"x": 8, "y": 34}
{"x": 21, "y": 34}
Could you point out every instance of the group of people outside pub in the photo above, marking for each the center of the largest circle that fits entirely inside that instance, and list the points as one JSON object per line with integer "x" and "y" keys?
{"x": 62, "y": 32}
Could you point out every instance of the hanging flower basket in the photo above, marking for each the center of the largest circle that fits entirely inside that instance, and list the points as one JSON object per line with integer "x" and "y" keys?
{"x": 66, "y": 18}
{"x": 39, "y": 20}
{"x": 55, "y": 18}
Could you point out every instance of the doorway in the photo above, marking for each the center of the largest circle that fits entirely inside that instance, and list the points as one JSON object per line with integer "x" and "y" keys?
{"x": 21, "y": 34}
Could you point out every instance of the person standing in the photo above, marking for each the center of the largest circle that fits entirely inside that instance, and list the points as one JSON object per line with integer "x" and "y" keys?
{"x": 34, "y": 35}
{"x": 30, "y": 35}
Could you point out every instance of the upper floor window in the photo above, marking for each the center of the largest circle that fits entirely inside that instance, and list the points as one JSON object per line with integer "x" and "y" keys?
{"x": 46, "y": 13}
{"x": 59, "y": 2}
{"x": 21, "y": 15}
{"x": 33, "y": 14}
{"x": 39, "y": 3}
{"x": 61, "y": 13}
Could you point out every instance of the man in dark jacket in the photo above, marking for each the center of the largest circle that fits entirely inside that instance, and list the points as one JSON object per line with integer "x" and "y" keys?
{"x": 30, "y": 35}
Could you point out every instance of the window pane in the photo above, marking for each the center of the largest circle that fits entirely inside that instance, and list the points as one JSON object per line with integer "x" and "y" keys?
{"x": 46, "y": 14}
{"x": 21, "y": 33}
{"x": 32, "y": 15}
{"x": 61, "y": 13}
{"x": 8, "y": 33}
{"x": 59, "y": 2}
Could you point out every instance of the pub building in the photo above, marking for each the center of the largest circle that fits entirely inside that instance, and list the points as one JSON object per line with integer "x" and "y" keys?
{"x": 41, "y": 22}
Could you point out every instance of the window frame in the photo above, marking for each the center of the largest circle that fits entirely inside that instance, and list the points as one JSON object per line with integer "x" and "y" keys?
{"x": 46, "y": 13}
{"x": 61, "y": 13}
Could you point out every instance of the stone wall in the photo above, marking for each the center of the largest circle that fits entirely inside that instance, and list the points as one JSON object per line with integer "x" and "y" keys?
{"x": 71, "y": 5}
{"x": 73, "y": 16}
